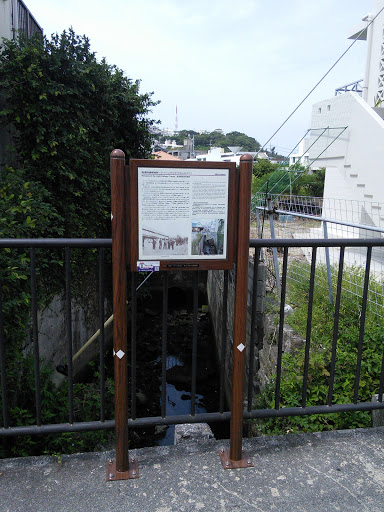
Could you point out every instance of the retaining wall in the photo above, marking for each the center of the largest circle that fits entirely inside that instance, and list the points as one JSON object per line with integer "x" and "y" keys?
{"x": 215, "y": 286}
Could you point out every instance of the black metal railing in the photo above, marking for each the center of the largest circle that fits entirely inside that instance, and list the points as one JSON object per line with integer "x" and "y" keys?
{"x": 72, "y": 426}
{"x": 329, "y": 406}
{"x": 99, "y": 423}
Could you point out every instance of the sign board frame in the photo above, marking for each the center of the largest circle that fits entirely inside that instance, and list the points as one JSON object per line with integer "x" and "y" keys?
{"x": 170, "y": 207}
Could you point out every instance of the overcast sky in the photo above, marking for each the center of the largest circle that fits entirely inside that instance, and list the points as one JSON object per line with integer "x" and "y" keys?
{"x": 236, "y": 65}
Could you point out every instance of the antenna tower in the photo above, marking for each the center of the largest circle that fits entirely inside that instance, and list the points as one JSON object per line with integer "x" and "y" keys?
{"x": 176, "y": 122}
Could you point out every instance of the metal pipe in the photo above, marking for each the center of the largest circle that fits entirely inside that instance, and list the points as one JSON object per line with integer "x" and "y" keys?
{"x": 362, "y": 323}
{"x": 35, "y": 336}
{"x": 253, "y": 327}
{"x": 224, "y": 328}
{"x": 101, "y": 334}
{"x": 316, "y": 242}
{"x": 133, "y": 342}
{"x": 93, "y": 338}
{"x": 56, "y": 242}
{"x": 325, "y": 219}
{"x": 336, "y": 326}
{"x": 328, "y": 263}
{"x": 274, "y": 250}
{"x": 186, "y": 418}
{"x": 194, "y": 342}
{"x": 4, "y": 387}
{"x": 164, "y": 340}
{"x": 281, "y": 329}
{"x": 68, "y": 328}
{"x": 309, "y": 327}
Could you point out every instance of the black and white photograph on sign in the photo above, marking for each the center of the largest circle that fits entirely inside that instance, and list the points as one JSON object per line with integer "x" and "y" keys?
{"x": 164, "y": 239}
{"x": 207, "y": 237}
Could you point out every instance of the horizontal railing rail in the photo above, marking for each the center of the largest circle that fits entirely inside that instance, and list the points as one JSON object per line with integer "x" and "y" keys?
{"x": 221, "y": 414}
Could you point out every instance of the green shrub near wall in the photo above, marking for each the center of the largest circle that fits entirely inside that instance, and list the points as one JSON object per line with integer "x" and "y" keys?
{"x": 67, "y": 111}
{"x": 320, "y": 354}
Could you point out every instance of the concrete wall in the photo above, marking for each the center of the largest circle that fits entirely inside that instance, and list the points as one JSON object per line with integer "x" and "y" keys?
{"x": 52, "y": 329}
{"x": 215, "y": 284}
{"x": 6, "y": 19}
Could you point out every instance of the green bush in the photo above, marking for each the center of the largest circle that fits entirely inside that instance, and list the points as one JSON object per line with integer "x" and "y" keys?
{"x": 66, "y": 112}
{"x": 320, "y": 355}
{"x": 54, "y": 409}
{"x": 69, "y": 111}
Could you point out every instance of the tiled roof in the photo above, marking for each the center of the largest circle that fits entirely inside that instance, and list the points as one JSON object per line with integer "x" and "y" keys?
{"x": 162, "y": 155}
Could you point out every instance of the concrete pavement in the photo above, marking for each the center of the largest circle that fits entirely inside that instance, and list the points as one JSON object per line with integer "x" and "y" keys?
{"x": 331, "y": 471}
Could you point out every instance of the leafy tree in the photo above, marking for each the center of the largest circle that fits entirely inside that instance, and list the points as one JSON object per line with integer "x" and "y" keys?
{"x": 244, "y": 141}
{"x": 310, "y": 184}
{"x": 263, "y": 166}
{"x": 204, "y": 141}
{"x": 69, "y": 111}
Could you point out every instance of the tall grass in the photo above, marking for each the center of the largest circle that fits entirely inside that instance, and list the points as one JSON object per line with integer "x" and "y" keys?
{"x": 323, "y": 317}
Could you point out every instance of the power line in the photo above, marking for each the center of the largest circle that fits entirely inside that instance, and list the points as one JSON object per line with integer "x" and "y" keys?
{"x": 321, "y": 79}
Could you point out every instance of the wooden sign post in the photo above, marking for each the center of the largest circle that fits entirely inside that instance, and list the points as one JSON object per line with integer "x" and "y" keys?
{"x": 178, "y": 216}
{"x": 123, "y": 467}
{"x": 235, "y": 457}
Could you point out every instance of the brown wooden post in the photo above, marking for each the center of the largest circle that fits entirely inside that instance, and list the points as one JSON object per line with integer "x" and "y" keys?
{"x": 123, "y": 467}
{"x": 235, "y": 457}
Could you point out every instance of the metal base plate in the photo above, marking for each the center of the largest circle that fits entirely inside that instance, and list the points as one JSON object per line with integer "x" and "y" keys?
{"x": 113, "y": 474}
{"x": 244, "y": 462}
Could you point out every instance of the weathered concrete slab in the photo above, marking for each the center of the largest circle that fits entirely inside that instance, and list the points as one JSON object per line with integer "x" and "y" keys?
{"x": 334, "y": 471}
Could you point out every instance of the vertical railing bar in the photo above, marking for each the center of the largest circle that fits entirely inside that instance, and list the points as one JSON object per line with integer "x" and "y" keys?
{"x": 281, "y": 329}
{"x": 252, "y": 341}
{"x": 164, "y": 347}
{"x": 381, "y": 385}
{"x": 362, "y": 324}
{"x": 336, "y": 325}
{"x": 259, "y": 232}
{"x": 274, "y": 249}
{"x": 133, "y": 342}
{"x": 68, "y": 303}
{"x": 309, "y": 326}
{"x": 194, "y": 341}
{"x": 35, "y": 336}
{"x": 224, "y": 328}
{"x": 328, "y": 264}
{"x": 101, "y": 337}
{"x": 4, "y": 387}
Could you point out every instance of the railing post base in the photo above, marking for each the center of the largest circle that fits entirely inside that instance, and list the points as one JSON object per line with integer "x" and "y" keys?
{"x": 113, "y": 474}
{"x": 244, "y": 462}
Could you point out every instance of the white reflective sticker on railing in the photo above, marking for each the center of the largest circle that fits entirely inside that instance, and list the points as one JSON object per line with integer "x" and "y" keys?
{"x": 241, "y": 347}
{"x": 119, "y": 354}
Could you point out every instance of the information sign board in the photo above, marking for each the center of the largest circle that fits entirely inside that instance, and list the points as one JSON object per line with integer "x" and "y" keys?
{"x": 182, "y": 214}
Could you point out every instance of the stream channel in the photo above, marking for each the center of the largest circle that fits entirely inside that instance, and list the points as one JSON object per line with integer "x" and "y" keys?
{"x": 178, "y": 363}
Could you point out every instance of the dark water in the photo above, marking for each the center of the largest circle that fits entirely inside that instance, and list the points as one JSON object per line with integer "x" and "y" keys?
{"x": 178, "y": 402}
{"x": 178, "y": 375}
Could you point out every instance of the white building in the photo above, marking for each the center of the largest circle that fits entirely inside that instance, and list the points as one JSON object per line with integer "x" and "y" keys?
{"x": 219, "y": 155}
{"x": 301, "y": 156}
{"x": 347, "y": 136}
{"x": 16, "y": 18}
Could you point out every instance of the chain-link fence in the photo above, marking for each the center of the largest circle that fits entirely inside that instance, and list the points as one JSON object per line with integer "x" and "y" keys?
{"x": 293, "y": 217}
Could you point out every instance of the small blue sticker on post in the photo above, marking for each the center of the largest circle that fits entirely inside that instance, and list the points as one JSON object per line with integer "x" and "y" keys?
{"x": 148, "y": 266}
